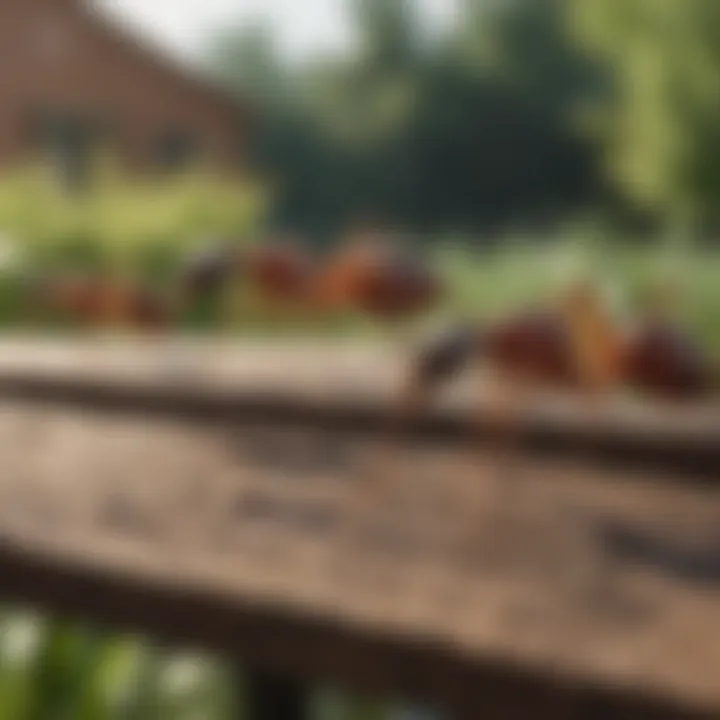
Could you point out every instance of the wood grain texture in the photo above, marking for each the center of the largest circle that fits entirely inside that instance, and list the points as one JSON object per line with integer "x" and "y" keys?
{"x": 562, "y": 594}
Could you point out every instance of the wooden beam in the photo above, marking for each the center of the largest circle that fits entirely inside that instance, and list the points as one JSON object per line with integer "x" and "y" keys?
{"x": 53, "y": 560}
{"x": 358, "y": 397}
{"x": 288, "y": 572}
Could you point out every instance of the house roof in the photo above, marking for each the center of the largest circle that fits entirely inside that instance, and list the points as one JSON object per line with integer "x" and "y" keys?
{"x": 136, "y": 41}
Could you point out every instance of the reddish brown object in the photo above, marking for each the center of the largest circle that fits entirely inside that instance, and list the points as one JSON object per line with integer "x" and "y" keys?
{"x": 94, "y": 301}
{"x": 662, "y": 360}
{"x": 381, "y": 282}
{"x": 278, "y": 272}
{"x": 658, "y": 359}
{"x": 533, "y": 345}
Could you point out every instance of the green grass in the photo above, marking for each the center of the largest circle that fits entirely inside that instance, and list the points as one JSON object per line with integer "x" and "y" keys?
{"x": 488, "y": 283}
{"x": 121, "y": 222}
{"x": 57, "y": 670}
{"x": 122, "y": 226}
{"x": 480, "y": 285}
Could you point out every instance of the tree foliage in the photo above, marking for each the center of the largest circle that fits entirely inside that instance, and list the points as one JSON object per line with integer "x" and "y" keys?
{"x": 480, "y": 128}
{"x": 662, "y": 122}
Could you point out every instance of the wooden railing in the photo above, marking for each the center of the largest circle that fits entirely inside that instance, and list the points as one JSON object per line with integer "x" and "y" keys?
{"x": 273, "y": 519}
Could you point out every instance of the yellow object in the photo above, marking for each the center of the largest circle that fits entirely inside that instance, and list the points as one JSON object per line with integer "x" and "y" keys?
{"x": 596, "y": 338}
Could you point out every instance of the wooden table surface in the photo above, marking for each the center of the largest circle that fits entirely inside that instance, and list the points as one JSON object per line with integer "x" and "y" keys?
{"x": 396, "y": 566}
{"x": 340, "y": 380}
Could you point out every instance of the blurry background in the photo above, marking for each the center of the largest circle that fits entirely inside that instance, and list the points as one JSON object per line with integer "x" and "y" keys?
{"x": 514, "y": 138}
{"x": 492, "y": 129}
{"x": 447, "y": 116}
{"x": 477, "y": 116}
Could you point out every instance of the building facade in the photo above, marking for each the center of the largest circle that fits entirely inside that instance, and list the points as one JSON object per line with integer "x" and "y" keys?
{"x": 72, "y": 81}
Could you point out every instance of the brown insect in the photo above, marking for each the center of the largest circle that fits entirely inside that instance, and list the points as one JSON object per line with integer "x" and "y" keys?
{"x": 101, "y": 302}
{"x": 576, "y": 347}
{"x": 367, "y": 275}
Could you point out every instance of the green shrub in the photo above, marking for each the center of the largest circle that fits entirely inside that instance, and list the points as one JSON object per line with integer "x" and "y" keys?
{"x": 120, "y": 223}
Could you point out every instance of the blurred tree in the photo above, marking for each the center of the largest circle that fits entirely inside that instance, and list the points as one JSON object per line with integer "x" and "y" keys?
{"x": 662, "y": 123}
{"x": 245, "y": 58}
{"x": 285, "y": 144}
{"x": 527, "y": 43}
{"x": 388, "y": 31}
{"x": 365, "y": 104}
{"x": 516, "y": 69}
{"x": 467, "y": 133}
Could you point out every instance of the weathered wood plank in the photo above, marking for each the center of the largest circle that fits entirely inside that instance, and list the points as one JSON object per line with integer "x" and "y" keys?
{"x": 561, "y": 594}
{"x": 340, "y": 384}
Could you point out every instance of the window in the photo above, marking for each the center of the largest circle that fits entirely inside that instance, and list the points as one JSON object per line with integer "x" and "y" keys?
{"x": 66, "y": 142}
{"x": 176, "y": 150}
